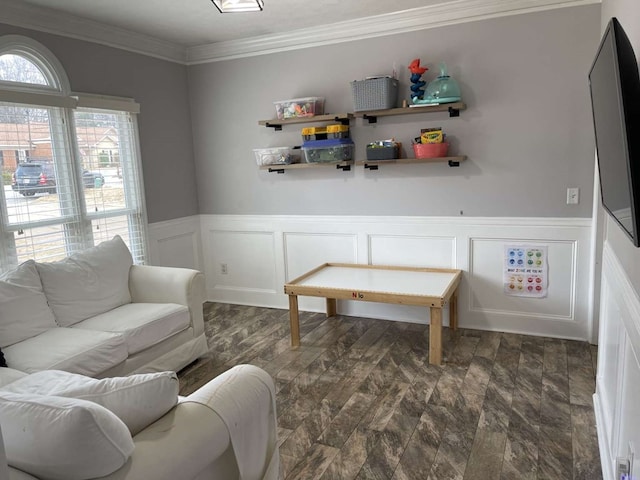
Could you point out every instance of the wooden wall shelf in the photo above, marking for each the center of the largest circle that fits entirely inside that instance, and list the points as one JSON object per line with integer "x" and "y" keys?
{"x": 372, "y": 115}
{"x": 344, "y": 166}
{"x": 374, "y": 164}
{"x": 343, "y": 118}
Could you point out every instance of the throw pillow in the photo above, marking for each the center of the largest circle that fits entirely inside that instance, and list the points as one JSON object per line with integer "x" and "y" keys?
{"x": 25, "y": 274}
{"x": 59, "y": 438}
{"x": 138, "y": 400}
{"x": 88, "y": 283}
{"x": 24, "y": 312}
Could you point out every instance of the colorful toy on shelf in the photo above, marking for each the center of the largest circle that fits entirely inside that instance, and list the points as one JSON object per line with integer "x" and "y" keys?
{"x": 417, "y": 91}
{"x": 443, "y": 89}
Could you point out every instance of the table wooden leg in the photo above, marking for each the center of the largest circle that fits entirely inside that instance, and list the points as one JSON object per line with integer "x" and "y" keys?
{"x": 294, "y": 320}
{"x": 435, "y": 336}
{"x": 453, "y": 312}
{"x": 331, "y": 307}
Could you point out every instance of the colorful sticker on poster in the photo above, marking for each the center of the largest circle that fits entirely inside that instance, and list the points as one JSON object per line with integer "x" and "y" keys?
{"x": 525, "y": 271}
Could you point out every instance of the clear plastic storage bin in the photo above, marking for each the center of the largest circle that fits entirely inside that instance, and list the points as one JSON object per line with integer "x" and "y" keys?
{"x": 330, "y": 150}
{"x": 299, "y": 107}
{"x": 277, "y": 155}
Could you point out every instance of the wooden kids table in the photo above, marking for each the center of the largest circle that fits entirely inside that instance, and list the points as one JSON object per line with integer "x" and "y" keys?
{"x": 427, "y": 287}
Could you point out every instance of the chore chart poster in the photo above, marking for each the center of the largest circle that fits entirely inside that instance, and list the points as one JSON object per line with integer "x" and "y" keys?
{"x": 525, "y": 271}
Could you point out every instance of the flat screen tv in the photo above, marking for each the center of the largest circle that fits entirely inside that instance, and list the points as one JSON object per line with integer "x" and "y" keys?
{"x": 614, "y": 82}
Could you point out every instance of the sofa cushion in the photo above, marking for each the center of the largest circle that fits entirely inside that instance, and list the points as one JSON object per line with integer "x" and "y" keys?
{"x": 74, "y": 350}
{"x": 24, "y": 311}
{"x": 62, "y": 438}
{"x": 9, "y": 375}
{"x": 137, "y": 400}
{"x": 87, "y": 283}
{"x": 142, "y": 324}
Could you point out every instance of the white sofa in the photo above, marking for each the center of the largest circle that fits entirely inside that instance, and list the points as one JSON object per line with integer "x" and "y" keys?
{"x": 96, "y": 314}
{"x": 225, "y": 430}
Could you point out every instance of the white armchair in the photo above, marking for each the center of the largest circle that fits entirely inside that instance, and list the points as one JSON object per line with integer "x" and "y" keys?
{"x": 225, "y": 430}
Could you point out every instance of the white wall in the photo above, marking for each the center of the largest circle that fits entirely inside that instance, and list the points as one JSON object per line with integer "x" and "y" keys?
{"x": 527, "y": 129}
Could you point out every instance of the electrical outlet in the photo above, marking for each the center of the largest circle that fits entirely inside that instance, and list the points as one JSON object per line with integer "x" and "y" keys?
{"x": 223, "y": 269}
{"x": 573, "y": 196}
{"x": 622, "y": 468}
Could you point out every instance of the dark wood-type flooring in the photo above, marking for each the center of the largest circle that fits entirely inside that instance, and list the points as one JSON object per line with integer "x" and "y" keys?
{"x": 359, "y": 400}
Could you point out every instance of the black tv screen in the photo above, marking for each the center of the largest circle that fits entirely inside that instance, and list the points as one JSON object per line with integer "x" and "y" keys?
{"x": 614, "y": 83}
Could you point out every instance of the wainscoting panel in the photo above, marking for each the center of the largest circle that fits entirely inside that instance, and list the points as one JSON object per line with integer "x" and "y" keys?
{"x": 263, "y": 252}
{"x": 241, "y": 260}
{"x": 176, "y": 243}
{"x": 486, "y": 294}
{"x": 618, "y": 378}
{"x": 304, "y": 251}
{"x": 413, "y": 251}
{"x": 563, "y": 313}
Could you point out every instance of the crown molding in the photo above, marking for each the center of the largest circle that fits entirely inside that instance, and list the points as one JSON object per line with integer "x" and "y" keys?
{"x": 449, "y": 13}
{"x": 48, "y": 20}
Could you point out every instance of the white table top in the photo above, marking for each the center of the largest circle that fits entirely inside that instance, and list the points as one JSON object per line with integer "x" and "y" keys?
{"x": 381, "y": 280}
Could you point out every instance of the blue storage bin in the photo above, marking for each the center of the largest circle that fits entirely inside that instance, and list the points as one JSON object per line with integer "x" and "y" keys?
{"x": 330, "y": 150}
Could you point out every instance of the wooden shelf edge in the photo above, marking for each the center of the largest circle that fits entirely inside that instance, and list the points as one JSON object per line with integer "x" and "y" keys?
{"x": 443, "y": 107}
{"x": 330, "y": 117}
{"x": 295, "y": 166}
{"x": 459, "y": 158}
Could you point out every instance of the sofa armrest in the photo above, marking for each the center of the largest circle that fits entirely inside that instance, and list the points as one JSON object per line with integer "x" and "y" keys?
{"x": 184, "y": 286}
{"x": 186, "y": 441}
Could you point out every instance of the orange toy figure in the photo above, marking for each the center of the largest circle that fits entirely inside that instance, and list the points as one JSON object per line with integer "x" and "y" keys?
{"x": 417, "y": 91}
{"x": 414, "y": 67}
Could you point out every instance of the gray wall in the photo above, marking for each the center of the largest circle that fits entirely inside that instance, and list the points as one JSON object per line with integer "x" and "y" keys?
{"x": 527, "y": 130}
{"x": 627, "y": 12}
{"x": 164, "y": 122}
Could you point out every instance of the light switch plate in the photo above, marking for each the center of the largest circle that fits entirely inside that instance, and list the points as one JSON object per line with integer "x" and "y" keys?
{"x": 573, "y": 196}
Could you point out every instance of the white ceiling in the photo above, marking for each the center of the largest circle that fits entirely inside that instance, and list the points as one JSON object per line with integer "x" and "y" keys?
{"x": 197, "y": 22}
{"x": 193, "y": 31}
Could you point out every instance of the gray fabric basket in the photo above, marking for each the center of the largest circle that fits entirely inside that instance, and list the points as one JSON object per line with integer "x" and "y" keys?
{"x": 374, "y": 93}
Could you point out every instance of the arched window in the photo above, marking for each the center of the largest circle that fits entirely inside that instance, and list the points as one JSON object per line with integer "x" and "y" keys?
{"x": 27, "y": 64}
{"x": 58, "y": 194}
{"x": 15, "y": 68}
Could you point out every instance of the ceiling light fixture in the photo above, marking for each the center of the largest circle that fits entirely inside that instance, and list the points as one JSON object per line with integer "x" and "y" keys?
{"x": 234, "y": 6}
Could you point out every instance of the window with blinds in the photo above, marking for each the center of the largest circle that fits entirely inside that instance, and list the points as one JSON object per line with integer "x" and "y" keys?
{"x": 111, "y": 176}
{"x": 71, "y": 176}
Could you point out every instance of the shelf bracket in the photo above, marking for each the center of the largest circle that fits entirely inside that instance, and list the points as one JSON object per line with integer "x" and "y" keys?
{"x": 276, "y": 170}
{"x": 344, "y": 168}
{"x": 454, "y": 163}
{"x": 370, "y": 118}
{"x": 454, "y": 112}
{"x": 342, "y": 120}
{"x": 276, "y": 126}
{"x": 370, "y": 166}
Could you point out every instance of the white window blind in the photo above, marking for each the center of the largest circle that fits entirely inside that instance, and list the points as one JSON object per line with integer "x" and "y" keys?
{"x": 40, "y": 212}
{"x": 111, "y": 176}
